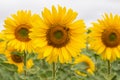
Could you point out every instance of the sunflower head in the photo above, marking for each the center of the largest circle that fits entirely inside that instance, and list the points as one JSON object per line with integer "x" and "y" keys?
{"x": 89, "y": 63}
{"x": 21, "y": 33}
{"x": 110, "y": 37}
{"x": 15, "y": 57}
{"x": 106, "y": 32}
{"x": 58, "y": 35}
{"x": 17, "y": 29}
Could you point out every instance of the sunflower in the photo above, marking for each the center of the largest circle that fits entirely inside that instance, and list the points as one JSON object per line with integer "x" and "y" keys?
{"x": 85, "y": 59}
{"x": 14, "y": 57}
{"x": 17, "y": 29}
{"x": 57, "y": 36}
{"x": 105, "y": 37}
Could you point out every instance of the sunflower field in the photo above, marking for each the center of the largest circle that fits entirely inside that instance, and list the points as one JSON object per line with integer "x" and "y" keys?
{"x": 56, "y": 45}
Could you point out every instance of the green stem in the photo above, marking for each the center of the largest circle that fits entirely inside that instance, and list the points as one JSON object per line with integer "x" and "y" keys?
{"x": 109, "y": 67}
{"x": 54, "y": 71}
{"x": 25, "y": 72}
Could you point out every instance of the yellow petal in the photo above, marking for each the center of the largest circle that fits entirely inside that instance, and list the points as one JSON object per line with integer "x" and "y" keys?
{"x": 54, "y": 13}
{"x": 61, "y": 58}
{"x": 71, "y": 51}
{"x": 65, "y": 54}
{"x": 116, "y": 51}
{"x": 47, "y": 16}
{"x": 29, "y": 63}
{"x": 40, "y": 42}
{"x": 48, "y": 51}
{"x": 70, "y": 16}
{"x": 76, "y": 24}
{"x": 101, "y": 49}
{"x": 108, "y": 53}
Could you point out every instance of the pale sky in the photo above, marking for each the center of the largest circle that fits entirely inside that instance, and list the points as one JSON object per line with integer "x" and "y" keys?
{"x": 89, "y": 10}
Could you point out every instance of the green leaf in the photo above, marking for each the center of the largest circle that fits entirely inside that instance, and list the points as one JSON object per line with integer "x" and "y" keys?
{"x": 74, "y": 78}
{"x": 33, "y": 70}
{"x": 43, "y": 75}
{"x": 2, "y": 58}
{"x": 49, "y": 73}
{"x": 9, "y": 67}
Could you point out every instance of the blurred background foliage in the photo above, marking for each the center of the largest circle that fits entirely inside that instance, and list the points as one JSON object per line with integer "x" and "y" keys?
{"x": 41, "y": 70}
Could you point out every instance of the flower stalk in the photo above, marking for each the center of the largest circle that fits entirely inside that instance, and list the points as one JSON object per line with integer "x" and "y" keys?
{"x": 109, "y": 67}
{"x": 25, "y": 72}
{"x": 54, "y": 71}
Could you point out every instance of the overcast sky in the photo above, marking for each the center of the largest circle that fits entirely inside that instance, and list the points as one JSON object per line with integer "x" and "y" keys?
{"x": 89, "y": 10}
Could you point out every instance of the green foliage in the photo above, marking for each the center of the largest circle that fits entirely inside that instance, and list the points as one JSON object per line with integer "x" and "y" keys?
{"x": 41, "y": 70}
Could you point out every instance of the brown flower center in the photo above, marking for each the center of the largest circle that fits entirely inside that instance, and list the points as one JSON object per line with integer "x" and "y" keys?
{"x": 17, "y": 58}
{"x": 21, "y": 33}
{"x": 57, "y": 36}
{"x": 111, "y": 37}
